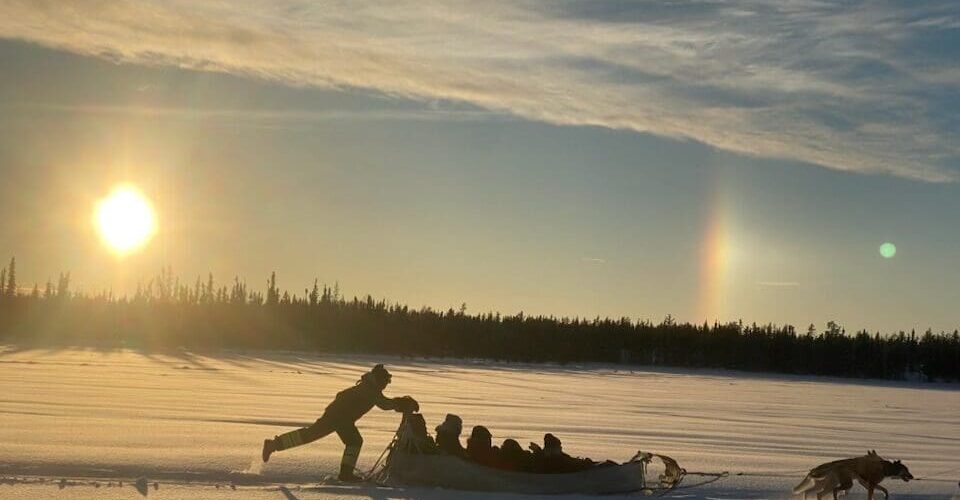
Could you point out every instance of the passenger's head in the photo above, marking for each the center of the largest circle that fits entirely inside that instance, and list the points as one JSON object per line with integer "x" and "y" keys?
{"x": 452, "y": 425}
{"x": 417, "y": 424}
{"x": 480, "y": 438}
{"x": 511, "y": 447}
{"x": 551, "y": 444}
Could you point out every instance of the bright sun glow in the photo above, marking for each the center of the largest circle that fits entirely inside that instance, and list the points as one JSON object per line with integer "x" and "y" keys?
{"x": 125, "y": 220}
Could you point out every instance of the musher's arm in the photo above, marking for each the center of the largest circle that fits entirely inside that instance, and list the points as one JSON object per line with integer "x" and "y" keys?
{"x": 403, "y": 404}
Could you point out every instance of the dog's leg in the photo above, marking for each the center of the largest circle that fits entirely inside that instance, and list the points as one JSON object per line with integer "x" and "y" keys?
{"x": 886, "y": 494}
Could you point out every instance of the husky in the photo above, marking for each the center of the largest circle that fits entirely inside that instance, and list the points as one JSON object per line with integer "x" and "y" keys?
{"x": 838, "y": 475}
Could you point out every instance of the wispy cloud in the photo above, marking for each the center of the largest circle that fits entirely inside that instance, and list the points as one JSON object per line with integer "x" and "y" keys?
{"x": 263, "y": 116}
{"x": 778, "y": 284}
{"x": 593, "y": 260}
{"x": 860, "y": 87}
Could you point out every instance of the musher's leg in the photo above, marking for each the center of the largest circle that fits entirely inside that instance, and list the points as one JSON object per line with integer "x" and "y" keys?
{"x": 353, "y": 441}
{"x": 322, "y": 427}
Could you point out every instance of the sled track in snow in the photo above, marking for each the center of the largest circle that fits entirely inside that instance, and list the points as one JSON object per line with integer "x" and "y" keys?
{"x": 56, "y": 472}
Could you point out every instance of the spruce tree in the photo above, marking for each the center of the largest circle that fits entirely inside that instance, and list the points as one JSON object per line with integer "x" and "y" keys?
{"x": 11, "y": 285}
{"x": 273, "y": 295}
{"x": 314, "y": 293}
{"x": 63, "y": 285}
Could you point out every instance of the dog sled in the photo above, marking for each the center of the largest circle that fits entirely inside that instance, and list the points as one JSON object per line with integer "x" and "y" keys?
{"x": 408, "y": 461}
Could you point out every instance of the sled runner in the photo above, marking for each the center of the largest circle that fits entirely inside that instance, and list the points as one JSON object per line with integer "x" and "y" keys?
{"x": 407, "y": 461}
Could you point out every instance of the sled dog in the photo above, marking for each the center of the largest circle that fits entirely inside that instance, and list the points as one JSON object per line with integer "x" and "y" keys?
{"x": 838, "y": 475}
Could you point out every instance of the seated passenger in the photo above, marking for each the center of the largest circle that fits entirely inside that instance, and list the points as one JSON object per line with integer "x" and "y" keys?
{"x": 515, "y": 458}
{"x": 448, "y": 436}
{"x": 480, "y": 447}
{"x": 419, "y": 439}
{"x": 551, "y": 459}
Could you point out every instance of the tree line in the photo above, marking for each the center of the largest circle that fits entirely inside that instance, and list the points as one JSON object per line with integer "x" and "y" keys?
{"x": 166, "y": 313}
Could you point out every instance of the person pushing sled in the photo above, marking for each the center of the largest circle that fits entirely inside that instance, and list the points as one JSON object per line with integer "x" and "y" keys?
{"x": 340, "y": 417}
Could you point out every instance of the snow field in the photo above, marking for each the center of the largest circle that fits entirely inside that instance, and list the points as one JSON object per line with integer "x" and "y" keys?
{"x": 191, "y": 422}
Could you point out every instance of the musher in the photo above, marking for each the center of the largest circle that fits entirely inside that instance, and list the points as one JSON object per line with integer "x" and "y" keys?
{"x": 340, "y": 417}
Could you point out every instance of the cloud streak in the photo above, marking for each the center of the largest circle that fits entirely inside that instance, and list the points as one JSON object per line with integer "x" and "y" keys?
{"x": 263, "y": 116}
{"x": 778, "y": 284}
{"x": 850, "y": 87}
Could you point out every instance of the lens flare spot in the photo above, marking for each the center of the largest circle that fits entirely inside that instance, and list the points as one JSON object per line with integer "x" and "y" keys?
{"x": 888, "y": 250}
{"x": 125, "y": 220}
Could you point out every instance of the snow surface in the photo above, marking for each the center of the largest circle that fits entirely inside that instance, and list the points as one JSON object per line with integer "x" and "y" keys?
{"x": 74, "y": 423}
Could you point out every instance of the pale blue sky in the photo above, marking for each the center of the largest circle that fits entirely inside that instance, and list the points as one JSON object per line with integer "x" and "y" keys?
{"x": 568, "y": 159}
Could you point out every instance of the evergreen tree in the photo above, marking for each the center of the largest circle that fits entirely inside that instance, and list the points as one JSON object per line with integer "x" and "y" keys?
{"x": 314, "y": 294}
{"x": 273, "y": 295}
{"x": 166, "y": 313}
{"x": 208, "y": 290}
{"x": 63, "y": 285}
{"x": 12, "y": 278}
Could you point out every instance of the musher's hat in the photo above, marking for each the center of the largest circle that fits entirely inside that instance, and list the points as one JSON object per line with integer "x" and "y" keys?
{"x": 381, "y": 374}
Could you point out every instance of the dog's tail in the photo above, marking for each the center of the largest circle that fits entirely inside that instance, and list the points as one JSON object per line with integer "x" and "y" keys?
{"x": 806, "y": 485}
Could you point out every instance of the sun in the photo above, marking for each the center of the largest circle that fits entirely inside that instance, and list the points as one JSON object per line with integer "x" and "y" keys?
{"x": 125, "y": 220}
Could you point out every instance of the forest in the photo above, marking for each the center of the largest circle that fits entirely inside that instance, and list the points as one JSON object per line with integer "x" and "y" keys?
{"x": 166, "y": 313}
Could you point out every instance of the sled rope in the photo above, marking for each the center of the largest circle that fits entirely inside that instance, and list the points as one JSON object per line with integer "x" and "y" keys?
{"x": 713, "y": 477}
{"x": 951, "y": 470}
{"x": 373, "y": 470}
{"x": 801, "y": 472}
{"x": 936, "y": 479}
{"x": 791, "y": 473}
{"x": 674, "y": 475}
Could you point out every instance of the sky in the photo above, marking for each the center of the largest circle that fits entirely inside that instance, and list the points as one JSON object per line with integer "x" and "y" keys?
{"x": 709, "y": 160}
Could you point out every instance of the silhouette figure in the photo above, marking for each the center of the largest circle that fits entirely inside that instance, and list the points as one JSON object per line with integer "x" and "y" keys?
{"x": 480, "y": 447}
{"x": 448, "y": 436}
{"x": 551, "y": 459}
{"x": 340, "y": 417}
{"x": 515, "y": 458}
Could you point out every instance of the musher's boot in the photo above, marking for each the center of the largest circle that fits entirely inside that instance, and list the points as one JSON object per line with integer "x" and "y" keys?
{"x": 349, "y": 462}
{"x": 268, "y": 448}
{"x": 282, "y": 442}
{"x": 347, "y": 475}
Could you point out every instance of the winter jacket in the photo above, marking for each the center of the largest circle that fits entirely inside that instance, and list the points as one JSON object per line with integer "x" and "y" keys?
{"x": 353, "y": 403}
{"x": 450, "y": 444}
